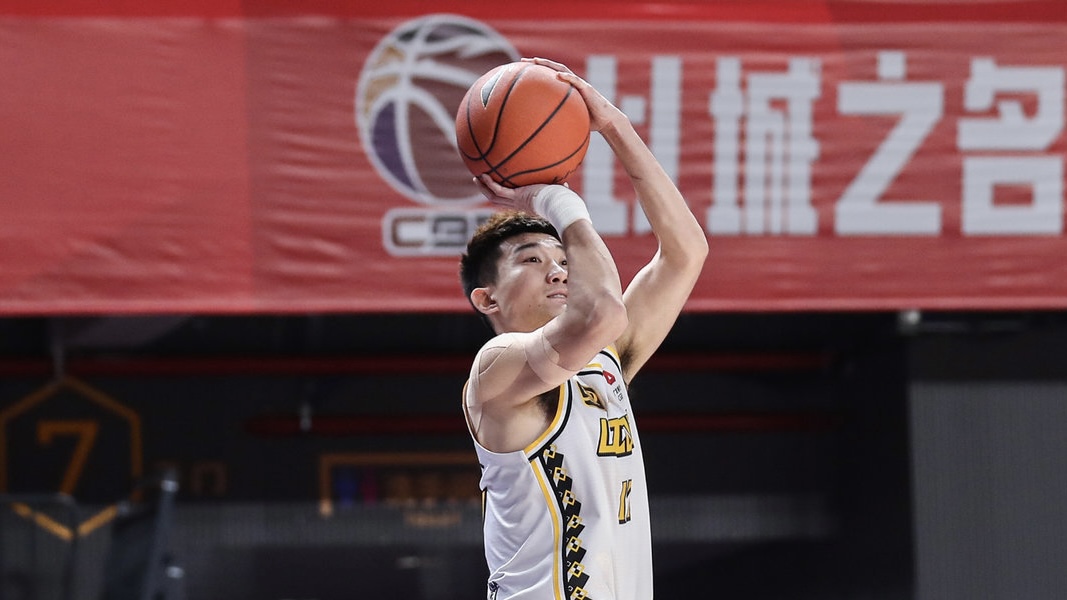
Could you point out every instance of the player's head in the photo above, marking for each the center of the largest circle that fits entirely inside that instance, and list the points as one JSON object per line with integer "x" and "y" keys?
{"x": 479, "y": 267}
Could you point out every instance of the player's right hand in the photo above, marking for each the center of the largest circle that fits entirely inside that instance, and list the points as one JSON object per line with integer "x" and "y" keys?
{"x": 520, "y": 198}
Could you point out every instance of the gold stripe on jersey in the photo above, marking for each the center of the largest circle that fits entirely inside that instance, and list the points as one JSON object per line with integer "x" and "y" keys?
{"x": 566, "y": 510}
{"x": 613, "y": 353}
{"x": 546, "y": 490}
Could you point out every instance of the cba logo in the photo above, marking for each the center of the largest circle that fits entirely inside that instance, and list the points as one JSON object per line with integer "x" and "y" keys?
{"x": 406, "y": 101}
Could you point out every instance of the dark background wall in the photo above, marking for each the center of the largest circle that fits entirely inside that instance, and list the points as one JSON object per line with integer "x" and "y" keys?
{"x": 790, "y": 456}
{"x": 989, "y": 463}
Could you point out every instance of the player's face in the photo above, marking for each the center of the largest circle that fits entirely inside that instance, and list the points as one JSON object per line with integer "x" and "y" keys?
{"x": 531, "y": 286}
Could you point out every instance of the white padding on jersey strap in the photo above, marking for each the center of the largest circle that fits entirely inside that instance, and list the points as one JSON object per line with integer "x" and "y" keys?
{"x": 544, "y": 360}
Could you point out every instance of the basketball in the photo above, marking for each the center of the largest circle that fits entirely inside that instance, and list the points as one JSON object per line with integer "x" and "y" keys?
{"x": 522, "y": 125}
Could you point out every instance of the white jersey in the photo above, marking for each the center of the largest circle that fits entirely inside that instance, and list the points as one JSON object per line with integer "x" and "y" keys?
{"x": 566, "y": 518}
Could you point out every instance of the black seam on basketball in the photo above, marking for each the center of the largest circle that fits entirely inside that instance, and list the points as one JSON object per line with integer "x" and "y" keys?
{"x": 470, "y": 123}
{"x": 485, "y": 101}
{"x": 470, "y": 132}
{"x": 547, "y": 120}
{"x": 582, "y": 146}
{"x": 484, "y": 153}
{"x": 500, "y": 115}
{"x": 474, "y": 139}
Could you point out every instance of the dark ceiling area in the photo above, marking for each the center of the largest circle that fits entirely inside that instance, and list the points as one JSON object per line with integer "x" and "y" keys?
{"x": 312, "y": 335}
{"x": 383, "y": 335}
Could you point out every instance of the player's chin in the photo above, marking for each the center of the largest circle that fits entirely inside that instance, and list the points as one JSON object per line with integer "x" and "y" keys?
{"x": 556, "y": 306}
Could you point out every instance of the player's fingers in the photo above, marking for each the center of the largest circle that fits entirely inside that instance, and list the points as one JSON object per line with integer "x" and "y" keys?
{"x": 493, "y": 187}
{"x": 571, "y": 78}
{"x": 483, "y": 188}
{"x": 544, "y": 62}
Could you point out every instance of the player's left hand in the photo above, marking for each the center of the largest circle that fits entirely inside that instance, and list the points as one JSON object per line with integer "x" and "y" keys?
{"x": 602, "y": 112}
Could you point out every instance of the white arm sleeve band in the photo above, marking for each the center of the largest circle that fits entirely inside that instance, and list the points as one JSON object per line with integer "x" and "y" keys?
{"x": 544, "y": 360}
{"x": 560, "y": 206}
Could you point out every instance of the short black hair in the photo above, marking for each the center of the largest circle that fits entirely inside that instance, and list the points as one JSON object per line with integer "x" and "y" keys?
{"x": 477, "y": 267}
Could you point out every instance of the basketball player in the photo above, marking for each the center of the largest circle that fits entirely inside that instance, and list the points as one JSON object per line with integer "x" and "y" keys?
{"x": 563, "y": 482}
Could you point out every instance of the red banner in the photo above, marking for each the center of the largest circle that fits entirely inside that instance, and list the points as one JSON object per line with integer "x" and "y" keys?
{"x": 299, "y": 157}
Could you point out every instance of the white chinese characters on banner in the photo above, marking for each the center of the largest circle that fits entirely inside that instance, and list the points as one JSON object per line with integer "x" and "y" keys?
{"x": 1012, "y": 131}
{"x": 920, "y": 105}
{"x": 779, "y": 150}
{"x": 612, "y": 215}
{"x": 765, "y": 149}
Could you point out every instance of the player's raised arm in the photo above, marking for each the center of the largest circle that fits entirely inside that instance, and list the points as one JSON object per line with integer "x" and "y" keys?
{"x": 655, "y": 297}
{"x": 553, "y": 304}
{"x": 595, "y": 314}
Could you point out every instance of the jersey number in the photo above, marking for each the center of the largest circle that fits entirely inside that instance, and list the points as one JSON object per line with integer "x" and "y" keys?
{"x": 624, "y": 501}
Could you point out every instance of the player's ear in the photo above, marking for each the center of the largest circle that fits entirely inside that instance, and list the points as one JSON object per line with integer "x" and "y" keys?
{"x": 483, "y": 301}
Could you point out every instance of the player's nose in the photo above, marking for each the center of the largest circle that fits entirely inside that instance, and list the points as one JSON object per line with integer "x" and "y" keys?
{"x": 557, "y": 273}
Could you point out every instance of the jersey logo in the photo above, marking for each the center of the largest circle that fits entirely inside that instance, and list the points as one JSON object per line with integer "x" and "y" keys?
{"x": 590, "y": 397}
{"x": 615, "y": 437}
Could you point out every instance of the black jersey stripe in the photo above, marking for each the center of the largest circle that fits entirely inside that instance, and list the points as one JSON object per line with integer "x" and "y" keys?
{"x": 611, "y": 357}
{"x": 566, "y": 399}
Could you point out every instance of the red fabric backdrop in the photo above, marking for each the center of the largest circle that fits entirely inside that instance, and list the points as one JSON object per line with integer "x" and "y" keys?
{"x": 294, "y": 156}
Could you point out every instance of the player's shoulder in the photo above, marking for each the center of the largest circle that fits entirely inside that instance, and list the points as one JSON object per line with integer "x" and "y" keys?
{"x": 503, "y": 345}
{"x": 501, "y": 340}
{"x": 496, "y": 345}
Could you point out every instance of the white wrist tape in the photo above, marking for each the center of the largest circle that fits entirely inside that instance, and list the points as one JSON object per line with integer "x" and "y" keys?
{"x": 560, "y": 206}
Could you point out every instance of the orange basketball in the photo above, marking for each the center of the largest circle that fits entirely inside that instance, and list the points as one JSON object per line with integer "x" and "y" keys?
{"x": 522, "y": 125}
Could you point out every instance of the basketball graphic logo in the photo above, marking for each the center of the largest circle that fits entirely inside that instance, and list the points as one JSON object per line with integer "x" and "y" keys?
{"x": 406, "y": 103}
